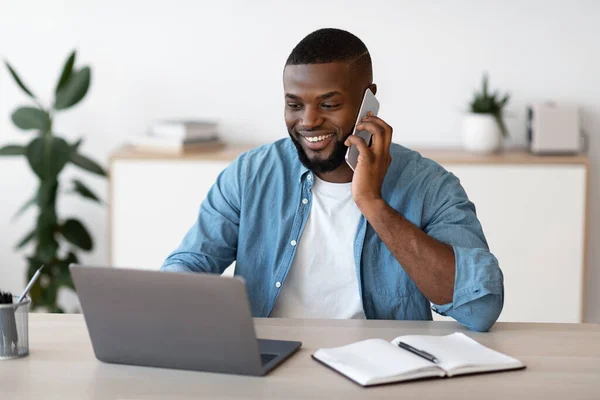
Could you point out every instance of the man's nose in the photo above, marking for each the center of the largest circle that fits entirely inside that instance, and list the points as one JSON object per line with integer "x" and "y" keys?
{"x": 311, "y": 118}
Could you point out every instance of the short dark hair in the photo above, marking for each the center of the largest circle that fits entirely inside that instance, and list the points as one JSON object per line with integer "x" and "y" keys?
{"x": 331, "y": 45}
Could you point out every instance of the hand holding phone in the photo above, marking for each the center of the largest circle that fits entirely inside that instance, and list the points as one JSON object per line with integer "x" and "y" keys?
{"x": 369, "y": 103}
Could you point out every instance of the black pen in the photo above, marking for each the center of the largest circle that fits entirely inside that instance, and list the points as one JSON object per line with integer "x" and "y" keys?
{"x": 418, "y": 352}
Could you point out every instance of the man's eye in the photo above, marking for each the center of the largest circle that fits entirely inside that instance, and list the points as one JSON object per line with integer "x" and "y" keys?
{"x": 330, "y": 106}
{"x": 294, "y": 106}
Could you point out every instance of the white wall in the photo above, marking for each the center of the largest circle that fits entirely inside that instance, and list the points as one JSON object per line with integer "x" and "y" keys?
{"x": 224, "y": 59}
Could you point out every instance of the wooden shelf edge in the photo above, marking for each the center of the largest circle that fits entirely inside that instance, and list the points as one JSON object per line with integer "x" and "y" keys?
{"x": 227, "y": 153}
{"x": 459, "y": 156}
{"x": 442, "y": 156}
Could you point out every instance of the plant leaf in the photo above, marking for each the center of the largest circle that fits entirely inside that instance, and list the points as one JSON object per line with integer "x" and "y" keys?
{"x": 47, "y": 244}
{"x": 49, "y": 295}
{"x": 66, "y": 72}
{"x": 74, "y": 231}
{"x": 13, "y": 150}
{"x": 87, "y": 164}
{"x": 26, "y": 239}
{"x": 71, "y": 258}
{"x": 34, "y": 265}
{"x": 47, "y": 248}
{"x": 31, "y": 118}
{"x": 501, "y": 125}
{"x": 485, "y": 84}
{"x": 47, "y": 193}
{"x": 62, "y": 275}
{"x": 76, "y": 145}
{"x": 83, "y": 190}
{"x": 64, "y": 281}
{"x": 23, "y": 208}
{"x": 18, "y": 80}
{"x": 74, "y": 90}
{"x": 47, "y": 156}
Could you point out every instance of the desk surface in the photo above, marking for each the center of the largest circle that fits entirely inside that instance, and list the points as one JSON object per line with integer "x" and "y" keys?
{"x": 563, "y": 362}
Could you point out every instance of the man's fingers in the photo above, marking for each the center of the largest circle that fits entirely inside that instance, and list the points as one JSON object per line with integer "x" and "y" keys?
{"x": 379, "y": 135}
{"x": 360, "y": 143}
{"x": 384, "y": 128}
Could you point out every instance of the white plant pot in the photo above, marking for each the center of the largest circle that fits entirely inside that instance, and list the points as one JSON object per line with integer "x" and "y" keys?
{"x": 481, "y": 133}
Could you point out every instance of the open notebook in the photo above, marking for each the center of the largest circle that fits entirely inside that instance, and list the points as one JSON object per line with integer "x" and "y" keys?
{"x": 376, "y": 361}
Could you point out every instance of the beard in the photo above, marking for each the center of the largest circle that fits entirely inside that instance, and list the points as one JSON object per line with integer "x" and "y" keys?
{"x": 320, "y": 166}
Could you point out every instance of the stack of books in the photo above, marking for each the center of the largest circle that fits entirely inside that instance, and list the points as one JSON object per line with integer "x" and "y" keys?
{"x": 178, "y": 137}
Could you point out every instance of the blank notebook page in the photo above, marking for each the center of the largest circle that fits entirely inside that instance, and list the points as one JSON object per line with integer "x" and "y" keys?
{"x": 457, "y": 353}
{"x": 371, "y": 359}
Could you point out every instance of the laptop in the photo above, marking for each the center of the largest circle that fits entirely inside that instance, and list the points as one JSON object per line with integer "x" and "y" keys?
{"x": 188, "y": 321}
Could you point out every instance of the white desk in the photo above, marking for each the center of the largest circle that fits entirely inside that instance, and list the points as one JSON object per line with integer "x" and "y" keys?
{"x": 563, "y": 362}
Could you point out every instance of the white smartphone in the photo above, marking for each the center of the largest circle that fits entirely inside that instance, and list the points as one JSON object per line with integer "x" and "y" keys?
{"x": 369, "y": 103}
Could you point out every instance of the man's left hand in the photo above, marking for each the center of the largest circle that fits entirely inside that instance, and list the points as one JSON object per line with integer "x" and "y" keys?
{"x": 373, "y": 161}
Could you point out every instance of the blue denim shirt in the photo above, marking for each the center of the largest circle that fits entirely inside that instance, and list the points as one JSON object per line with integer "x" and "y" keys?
{"x": 255, "y": 213}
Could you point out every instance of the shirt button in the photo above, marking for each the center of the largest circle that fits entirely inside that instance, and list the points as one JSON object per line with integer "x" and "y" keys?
{"x": 293, "y": 242}
{"x": 309, "y": 177}
{"x": 304, "y": 201}
{"x": 278, "y": 284}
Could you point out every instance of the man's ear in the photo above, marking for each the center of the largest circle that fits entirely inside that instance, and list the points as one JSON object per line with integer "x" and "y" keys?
{"x": 373, "y": 88}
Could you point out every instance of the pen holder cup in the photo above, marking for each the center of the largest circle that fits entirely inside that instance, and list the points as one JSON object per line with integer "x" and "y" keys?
{"x": 14, "y": 332}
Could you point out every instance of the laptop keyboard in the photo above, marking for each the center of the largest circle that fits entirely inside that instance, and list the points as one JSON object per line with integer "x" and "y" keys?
{"x": 265, "y": 358}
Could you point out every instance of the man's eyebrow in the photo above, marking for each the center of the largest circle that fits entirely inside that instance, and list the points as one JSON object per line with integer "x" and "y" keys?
{"x": 328, "y": 95}
{"x": 321, "y": 97}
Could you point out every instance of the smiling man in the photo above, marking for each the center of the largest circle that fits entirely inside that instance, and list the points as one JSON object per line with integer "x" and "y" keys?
{"x": 393, "y": 239}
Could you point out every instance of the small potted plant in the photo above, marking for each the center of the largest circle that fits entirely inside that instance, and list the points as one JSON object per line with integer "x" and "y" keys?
{"x": 484, "y": 128}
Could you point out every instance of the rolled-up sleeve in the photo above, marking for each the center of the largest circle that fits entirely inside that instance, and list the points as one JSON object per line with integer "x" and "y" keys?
{"x": 210, "y": 245}
{"x": 479, "y": 284}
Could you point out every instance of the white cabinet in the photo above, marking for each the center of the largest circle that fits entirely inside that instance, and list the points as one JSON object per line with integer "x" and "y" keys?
{"x": 155, "y": 199}
{"x": 533, "y": 218}
{"x": 532, "y": 208}
{"x": 154, "y": 203}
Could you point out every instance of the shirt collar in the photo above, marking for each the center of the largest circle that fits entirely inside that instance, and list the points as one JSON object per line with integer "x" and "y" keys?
{"x": 304, "y": 173}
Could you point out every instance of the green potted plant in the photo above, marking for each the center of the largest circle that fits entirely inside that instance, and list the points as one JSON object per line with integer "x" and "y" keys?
{"x": 484, "y": 128}
{"x": 57, "y": 240}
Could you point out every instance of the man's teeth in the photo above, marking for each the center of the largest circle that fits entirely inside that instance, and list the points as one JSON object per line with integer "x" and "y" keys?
{"x": 318, "y": 138}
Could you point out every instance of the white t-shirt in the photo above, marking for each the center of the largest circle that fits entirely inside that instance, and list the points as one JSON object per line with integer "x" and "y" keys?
{"x": 322, "y": 281}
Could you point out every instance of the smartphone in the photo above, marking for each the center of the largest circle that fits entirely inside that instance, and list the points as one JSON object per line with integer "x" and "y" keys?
{"x": 369, "y": 103}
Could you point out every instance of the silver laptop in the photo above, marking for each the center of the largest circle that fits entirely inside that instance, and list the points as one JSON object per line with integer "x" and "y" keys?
{"x": 176, "y": 320}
